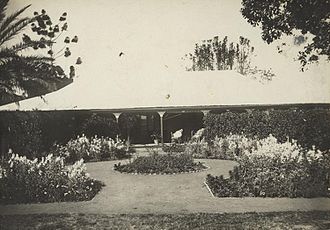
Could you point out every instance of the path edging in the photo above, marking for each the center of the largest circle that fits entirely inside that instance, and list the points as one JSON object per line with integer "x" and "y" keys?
{"x": 208, "y": 188}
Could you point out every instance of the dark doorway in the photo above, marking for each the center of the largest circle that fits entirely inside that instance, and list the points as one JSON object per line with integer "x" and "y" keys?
{"x": 189, "y": 122}
{"x": 139, "y": 127}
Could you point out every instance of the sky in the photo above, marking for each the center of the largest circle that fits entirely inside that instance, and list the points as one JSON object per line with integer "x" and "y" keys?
{"x": 154, "y": 34}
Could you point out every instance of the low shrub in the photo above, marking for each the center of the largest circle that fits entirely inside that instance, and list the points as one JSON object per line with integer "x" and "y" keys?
{"x": 273, "y": 169}
{"x": 161, "y": 163}
{"x": 47, "y": 180}
{"x": 92, "y": 149}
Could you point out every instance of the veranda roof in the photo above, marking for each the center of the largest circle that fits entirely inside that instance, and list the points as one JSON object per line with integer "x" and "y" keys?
{"x": 173, "y": 89}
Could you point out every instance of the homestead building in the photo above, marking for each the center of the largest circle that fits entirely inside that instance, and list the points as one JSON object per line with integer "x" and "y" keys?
{"x": 168, "y": 101}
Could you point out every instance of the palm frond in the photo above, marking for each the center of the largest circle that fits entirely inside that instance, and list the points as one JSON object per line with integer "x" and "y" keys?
{"x": 7, "y": 97}
{"x": 11, "y": 18}
{"x": 37, "y": 58}
{"x": 3, "y": 7}
{"x": 8, "y": 88}
{"x": 21, "y": 46}
{"x": 13, "y": 30}
{"x": 25, "y": 45}
{"x": 6, "y": 56}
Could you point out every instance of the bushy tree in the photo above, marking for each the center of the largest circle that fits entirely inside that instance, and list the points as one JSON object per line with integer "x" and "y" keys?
{"x": 217, "y": 54}
{"x": 23, "y": 133}
{"x": 100, "y": 126}
{"x": 278, "y": 18}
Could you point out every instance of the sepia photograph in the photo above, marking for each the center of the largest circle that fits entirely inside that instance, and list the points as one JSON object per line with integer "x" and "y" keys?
{"x": 165, "y": 114}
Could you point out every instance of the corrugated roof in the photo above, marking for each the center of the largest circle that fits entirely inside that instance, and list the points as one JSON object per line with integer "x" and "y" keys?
{"x": 170, "y": 89}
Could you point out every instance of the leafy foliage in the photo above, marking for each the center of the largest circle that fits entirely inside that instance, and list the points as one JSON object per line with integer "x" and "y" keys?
{"x": 49, "y": 34}
{"x": 273, "y": 169}
{"x": 217, "y": 54}
{"x": 161, "y": 163}
{"x": 23, "y": 132}
{"x": 278, "y": 18}
{"x": 47, "y": 180}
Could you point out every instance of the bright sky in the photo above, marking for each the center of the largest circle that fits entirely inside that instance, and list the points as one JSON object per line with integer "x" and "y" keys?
{"x": 155, "y": 33}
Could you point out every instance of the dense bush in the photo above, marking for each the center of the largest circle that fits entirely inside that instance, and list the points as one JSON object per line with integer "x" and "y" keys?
{"x": 308, "y": 126}
{"x": 48, "y": 180}
{"x": 92, "y": 149}
{"x": 161, "y": 163}
{"x": 105, "y": 126}
{"x": 22, "y": 132}
{"x": 273, "y": 169}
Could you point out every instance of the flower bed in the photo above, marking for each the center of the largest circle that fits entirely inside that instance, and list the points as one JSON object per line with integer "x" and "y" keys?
{"x": 161, "y": 164}
{"x": 48, "y": 180}
{"x": 92, "y": 149}
{"x": 272, "y": 169}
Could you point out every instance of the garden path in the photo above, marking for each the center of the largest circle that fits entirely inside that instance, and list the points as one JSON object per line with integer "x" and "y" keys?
{"x": 182, "y": 193}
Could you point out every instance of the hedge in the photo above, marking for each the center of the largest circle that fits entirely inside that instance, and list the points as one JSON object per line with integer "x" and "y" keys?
{"x": 308, "y": 126}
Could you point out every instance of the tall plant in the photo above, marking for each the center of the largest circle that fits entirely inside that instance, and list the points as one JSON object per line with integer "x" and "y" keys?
{"x": 217, "y": 54}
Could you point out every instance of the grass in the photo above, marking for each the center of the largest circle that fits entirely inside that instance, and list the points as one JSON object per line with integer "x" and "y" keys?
{"x": 279, "y": 220}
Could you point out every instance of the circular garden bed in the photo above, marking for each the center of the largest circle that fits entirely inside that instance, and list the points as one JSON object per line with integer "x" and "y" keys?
{"x": 161, "y": 164}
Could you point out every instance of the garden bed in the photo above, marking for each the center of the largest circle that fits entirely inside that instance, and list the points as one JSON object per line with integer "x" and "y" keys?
{"x": 161, "y": 164}
{"x": 273, "y": 169}
{"x": 48, "y": 180}
{"x": 93, "y": 149}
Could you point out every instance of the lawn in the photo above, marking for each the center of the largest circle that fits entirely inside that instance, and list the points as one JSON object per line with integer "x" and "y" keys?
{"x": 274, "y": 220}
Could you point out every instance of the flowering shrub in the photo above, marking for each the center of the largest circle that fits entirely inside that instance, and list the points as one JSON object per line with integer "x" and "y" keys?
{"x": 226, "y": 148}
{"x": 47, "y": 180}
{"x": 273, "y": 169}
{"x": 198, "y": 148}
{"x": 161, "y": 163}
{"x": 92, "y": 149}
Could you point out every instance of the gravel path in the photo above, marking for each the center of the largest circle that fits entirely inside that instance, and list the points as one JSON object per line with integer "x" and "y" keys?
{"x": 182, "y": 193}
